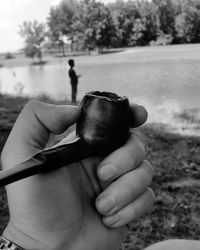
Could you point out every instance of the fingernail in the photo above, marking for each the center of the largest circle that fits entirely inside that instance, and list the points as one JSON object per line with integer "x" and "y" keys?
{"x": 105, "y": 204}
{"x": 112, "y": 221}
{"x": 107, "y": 172}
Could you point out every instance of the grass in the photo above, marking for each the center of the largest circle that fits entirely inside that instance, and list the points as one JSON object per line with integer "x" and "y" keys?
{"x": 176, "y": 184}
{"x": 176, "y": 161}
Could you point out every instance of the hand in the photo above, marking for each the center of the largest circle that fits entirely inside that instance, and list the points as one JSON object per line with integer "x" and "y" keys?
{"x": 85, "y": 205}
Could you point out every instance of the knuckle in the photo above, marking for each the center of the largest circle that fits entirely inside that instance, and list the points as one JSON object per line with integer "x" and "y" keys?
{"x": 142, "y": 148}
{"x": 151, "y": 194}
{"x": 146, "y": 173}
{"x": 135, "y": 150}
{"x": 137, "y": 139}
{"x": 31, "y": 105}
{"x": 134, "y": 212}
{"x": 130, "y": 159}
{"x": 121, "y": 218}
{"x": 151, "y": 199}
{"x": 136, "y": 134}
{"x": 148, "y": 167}
{"x": 2, "y": 156}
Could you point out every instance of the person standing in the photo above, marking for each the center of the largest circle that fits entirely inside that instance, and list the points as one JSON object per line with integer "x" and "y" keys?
{"x": 73, "y": 80}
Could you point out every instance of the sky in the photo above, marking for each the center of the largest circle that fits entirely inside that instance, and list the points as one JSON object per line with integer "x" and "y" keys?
{"x": 12, "y": 15}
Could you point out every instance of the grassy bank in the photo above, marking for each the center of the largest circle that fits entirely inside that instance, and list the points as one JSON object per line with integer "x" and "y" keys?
{"x": 20, "y": 60}
{"x": 176, "y": 161}
{"x": 141, "y": 55}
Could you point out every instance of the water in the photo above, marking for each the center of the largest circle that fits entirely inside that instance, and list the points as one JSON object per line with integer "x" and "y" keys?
{"x": 166, "y": 83}
{"x": 35, "y": 80}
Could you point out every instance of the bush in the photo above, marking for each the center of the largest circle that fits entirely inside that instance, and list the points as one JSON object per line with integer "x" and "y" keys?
{"x": 164, "y": 39}
{"x": 9, "y": 56}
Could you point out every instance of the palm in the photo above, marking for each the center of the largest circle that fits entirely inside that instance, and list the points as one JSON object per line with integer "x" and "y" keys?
{"x": 64, "y": 201}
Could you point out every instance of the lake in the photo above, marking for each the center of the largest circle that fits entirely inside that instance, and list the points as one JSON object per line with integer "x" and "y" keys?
{"x": 163, "y": 79}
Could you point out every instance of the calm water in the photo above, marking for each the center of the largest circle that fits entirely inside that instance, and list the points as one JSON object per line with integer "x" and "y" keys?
{"x": 166, "y": 82}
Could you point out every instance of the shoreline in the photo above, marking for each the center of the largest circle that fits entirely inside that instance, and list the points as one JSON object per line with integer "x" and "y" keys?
{"x": 19, "y": 59}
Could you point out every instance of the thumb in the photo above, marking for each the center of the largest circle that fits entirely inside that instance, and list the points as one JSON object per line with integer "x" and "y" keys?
{"x": 32, "y": 128}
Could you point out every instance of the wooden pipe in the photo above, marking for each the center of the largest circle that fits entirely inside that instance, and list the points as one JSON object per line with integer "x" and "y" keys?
{"x": 103, "y": 127}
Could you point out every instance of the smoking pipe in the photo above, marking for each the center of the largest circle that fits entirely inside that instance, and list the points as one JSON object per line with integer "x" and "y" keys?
{"x": 103, "y": 127}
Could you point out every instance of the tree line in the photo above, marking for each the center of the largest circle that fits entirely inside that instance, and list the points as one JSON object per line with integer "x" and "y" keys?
{"x": 90, "y": 24}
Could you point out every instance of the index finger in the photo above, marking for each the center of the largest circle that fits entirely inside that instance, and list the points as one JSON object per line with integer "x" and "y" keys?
{"x": 122, "y": 160}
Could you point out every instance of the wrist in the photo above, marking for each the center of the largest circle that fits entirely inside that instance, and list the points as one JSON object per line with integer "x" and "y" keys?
{"x": 8, "y": 245}
{"x": 21, "y": 239}
{"x": 29, "y": 240}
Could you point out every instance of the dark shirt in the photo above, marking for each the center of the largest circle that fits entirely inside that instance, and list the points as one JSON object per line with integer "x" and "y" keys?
{"x": 73, "y": 77}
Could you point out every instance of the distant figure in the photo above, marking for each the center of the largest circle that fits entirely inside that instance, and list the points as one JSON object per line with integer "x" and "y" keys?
{"x": 73, "y": 80}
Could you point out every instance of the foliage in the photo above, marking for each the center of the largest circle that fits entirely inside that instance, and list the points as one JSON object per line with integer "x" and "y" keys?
{"x": 188, "y": 22}
{"x": 148, "y": 13}
{"x": 166, "y": 16}
{"x": 138, "y": 33}
{"x": 8, "y": 56}
{"x": 63, "y": 22}
{"x": 99, "y": 27}
{"x": 163, "y": 39}
{"x": 90, "y": 24}
{"x": 35, "y": 35}
{"x": 124, "y": 15}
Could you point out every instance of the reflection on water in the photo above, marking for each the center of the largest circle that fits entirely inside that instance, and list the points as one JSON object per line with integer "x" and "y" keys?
{"x": 169, "y": 91}
{"x": 35, "y": 80}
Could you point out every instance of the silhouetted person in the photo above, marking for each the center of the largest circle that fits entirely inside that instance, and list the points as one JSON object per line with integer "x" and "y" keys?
{"x": 73, "y": 79}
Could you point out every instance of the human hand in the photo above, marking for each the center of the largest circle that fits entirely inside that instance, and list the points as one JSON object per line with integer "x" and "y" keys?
{"x": 69, "y": 208}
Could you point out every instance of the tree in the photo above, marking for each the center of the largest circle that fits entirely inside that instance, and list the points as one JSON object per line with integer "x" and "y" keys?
{"x": 54, "y": 22}
{"x": 139, "y": 29}
{"x": 166, "y": 16}
{"x": 91, "y": 24}
{"x": 149, "y": 19}
{"x": 124, "y": 15}
{"x": 98, "y": 25}
{"x": 188, "y": 22}
{"x": 35, "y": 35}
{"x": 62, "y": 21}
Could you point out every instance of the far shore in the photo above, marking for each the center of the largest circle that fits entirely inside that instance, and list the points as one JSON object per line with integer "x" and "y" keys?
{"x": 19, "y": 59}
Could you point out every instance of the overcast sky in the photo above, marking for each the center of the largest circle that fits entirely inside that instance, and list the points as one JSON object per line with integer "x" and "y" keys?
{"x": 14, "y": 12}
